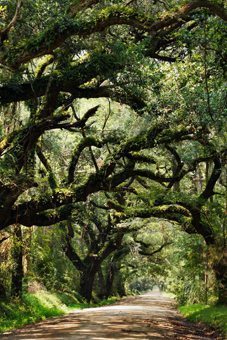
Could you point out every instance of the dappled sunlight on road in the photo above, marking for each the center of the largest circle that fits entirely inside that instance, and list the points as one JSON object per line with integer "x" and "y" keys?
{"x": 148, "y": 316}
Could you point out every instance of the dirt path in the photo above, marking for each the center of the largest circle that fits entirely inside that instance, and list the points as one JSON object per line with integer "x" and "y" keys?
{"x": 149, "y": 316}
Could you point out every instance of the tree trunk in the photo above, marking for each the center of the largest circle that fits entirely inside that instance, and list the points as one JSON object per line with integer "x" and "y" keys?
{"x": 2, "y": 291}
{"x": 220, "y": 269}
{"x": 17, "y": 255}
{"x": 116, "y": 284}
{"x": 101, "y": 285}
{"x": 87, "y": 280}
{"x": 110, "y": 279}
{"x": 120, "y": 285}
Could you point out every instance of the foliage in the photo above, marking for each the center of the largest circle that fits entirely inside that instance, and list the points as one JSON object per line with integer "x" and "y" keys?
{"x": 189, "y": 275}
{"x": 32, "y": 308}
{"x": 38, "y": 306}
{"x": 215, "y": 316}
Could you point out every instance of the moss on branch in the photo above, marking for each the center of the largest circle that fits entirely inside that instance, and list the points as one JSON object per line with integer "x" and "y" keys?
{"x": 54, "y": 36}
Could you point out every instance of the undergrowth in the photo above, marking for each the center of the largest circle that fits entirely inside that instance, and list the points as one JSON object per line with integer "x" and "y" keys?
{"x": 215, "y": 316}
{"x": 39, "y": 306}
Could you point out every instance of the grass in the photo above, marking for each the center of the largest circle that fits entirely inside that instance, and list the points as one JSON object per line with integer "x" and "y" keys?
{"x": 105, "y": 302}
{"x": 39, "y": 306}
{"x": 215, "y": 316}
{"x": 32, "y": 308}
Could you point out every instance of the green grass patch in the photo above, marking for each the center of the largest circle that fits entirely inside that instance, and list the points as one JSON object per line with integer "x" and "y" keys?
{"x": 39, "y": 306}
{"x": 101, "y": 303}
{"x": 108, "y": 301}
{"x": 68, "y": 299}
{"x": 215, "y": 316}
{"x": 32, "y": 308}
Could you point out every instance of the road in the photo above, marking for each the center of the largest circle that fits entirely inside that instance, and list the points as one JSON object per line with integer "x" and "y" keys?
{"x": 148, "y": 316}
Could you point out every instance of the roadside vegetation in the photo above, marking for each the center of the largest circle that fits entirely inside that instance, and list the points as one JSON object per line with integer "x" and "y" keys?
{"x": 34, "y": 307}
{"x": 215, "y": 316}
{"x": 29, "y": 309}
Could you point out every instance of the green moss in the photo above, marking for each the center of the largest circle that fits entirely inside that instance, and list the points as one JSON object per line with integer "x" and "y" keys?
{"x": 52, "y": 36}
{"x": 114, "y": 9}
{"x": 215, "y": 316}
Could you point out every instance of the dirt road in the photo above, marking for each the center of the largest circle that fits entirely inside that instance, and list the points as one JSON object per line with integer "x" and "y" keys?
{"x": 149, "y": 316}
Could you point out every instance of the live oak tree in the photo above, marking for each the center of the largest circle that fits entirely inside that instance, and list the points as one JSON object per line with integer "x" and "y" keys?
{"x": 101, "y": 236}
{"x": 67, "y": 50}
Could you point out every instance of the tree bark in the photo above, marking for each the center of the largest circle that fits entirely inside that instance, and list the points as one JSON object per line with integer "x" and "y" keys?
{"x": 100, "y": 286}
{"x": 220, "y": 269}
{"x": 18, "y": 272}
{"x": 2, "y": 291}
{"x": 110, "y": 279}
{"x": 87, "y": 280}
{"x": 120, "y": 287}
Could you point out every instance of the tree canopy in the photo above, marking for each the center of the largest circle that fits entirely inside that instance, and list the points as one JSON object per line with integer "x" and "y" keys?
{"x": 117, "y": 106}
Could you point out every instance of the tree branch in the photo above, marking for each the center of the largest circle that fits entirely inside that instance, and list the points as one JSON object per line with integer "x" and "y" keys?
{"x": 4, "y": 239}
{"x": 209, "y": 190}
{"x": 66, "y": 82}
{"x": 116, "y": 16}
{"x": 44, "y": 161}
{"x": 85, "y": 143}
{"x": 69, "y": 250}
{"x": 5, "y": 31}
{"x": 158, "y": 250}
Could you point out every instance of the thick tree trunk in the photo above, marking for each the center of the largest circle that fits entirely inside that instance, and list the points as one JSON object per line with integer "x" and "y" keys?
{"x": 87, "y": 280}
{"x": 17, "y": 255}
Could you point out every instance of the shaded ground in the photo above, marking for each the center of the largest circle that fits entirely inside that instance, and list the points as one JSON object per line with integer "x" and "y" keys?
{"x": 149, "y": 316}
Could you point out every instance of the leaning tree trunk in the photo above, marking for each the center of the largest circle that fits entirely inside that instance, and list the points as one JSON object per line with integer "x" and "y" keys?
{"x": 17, "y": 255}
